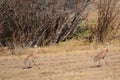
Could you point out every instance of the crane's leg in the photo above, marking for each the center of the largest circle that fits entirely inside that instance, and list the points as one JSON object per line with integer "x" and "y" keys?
{"x": 27, "y": 63}
{"x": 36, "y": 65}
{"x": 106, "y": 63}
{"x": 34, "y": 62}
{"x": 99, "y": 64}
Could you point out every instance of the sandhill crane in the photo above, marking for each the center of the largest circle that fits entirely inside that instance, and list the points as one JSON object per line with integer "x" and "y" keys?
{"x": 30, "y": 60}
{"x": 101, "y": 55}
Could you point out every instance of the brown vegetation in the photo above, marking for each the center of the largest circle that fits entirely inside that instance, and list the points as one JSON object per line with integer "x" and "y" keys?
{"x": 108, "y": 20}
{"x": 41, "y": 22}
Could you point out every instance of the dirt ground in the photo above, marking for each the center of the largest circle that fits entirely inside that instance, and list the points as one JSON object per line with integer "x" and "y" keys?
{"x": 71, "y": 62}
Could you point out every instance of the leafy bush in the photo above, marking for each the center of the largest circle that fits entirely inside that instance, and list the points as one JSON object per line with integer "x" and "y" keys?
{"x": 83, "y": 31}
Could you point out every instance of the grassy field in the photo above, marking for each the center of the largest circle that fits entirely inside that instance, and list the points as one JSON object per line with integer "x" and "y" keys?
{"x": 71, "y": 60}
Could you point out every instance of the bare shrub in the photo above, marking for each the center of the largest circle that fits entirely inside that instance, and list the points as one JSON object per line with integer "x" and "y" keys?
{"x": 108, "y": 23}
{"x": 40, "y": 22}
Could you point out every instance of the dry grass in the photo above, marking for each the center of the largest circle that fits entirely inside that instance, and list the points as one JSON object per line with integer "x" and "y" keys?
{"x": 71, "y": 60}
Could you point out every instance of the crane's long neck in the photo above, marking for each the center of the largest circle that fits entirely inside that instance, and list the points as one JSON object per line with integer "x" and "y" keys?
{"x": 36, "y": 49}
{"x": 107, "y": 46}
